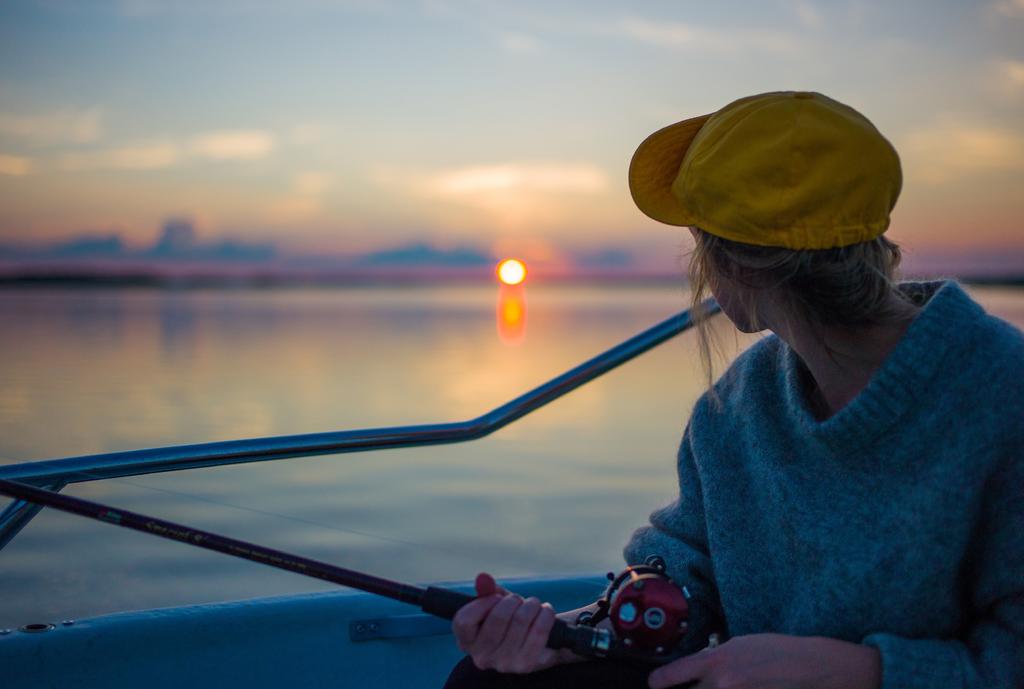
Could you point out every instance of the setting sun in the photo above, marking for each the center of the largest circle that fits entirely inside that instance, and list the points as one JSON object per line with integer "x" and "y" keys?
{"x": 511, "y": 271}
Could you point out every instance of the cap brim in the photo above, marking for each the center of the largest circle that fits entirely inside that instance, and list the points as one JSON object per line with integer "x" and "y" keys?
{"x": 655, "y": 166}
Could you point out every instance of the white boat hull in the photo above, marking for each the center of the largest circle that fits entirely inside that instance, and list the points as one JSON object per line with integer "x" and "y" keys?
{"x": 337, "y": 639}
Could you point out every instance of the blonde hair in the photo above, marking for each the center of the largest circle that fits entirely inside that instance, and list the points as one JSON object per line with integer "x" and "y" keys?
{"x": 850, "y": 286}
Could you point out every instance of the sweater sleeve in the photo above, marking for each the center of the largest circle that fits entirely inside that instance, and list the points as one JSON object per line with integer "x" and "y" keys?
{"x": 678, "y": 533}
{"x": 990, "y": 652}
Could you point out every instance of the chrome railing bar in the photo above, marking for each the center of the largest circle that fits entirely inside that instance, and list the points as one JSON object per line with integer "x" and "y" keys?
{"x": 137, "y": 462}
{"x": 18, "y": 514}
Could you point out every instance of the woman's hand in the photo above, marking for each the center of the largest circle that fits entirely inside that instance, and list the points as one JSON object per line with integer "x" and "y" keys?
{"x": 501, "y": 631}
{"x": 776, "y": 661}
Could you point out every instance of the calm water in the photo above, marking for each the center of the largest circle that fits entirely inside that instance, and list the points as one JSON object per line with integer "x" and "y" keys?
{"x": 559, "y": 491}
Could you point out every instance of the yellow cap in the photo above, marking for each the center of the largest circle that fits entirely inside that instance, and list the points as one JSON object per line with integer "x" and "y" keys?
{"x": 790, "y": 168}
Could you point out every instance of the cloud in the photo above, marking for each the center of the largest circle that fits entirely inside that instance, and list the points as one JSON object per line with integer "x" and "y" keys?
{"x": 950, "y": 149}
{"x": 14, "y": 166}
{"x": 504, "y": 197}
{"x": 230, "y": 145}
{"x": 79, "y": 246}
{"x": 1002, "y": 80}
{"x": 514, "y": 177}
{"x": 679, "y": 35}
{"x": 309, "y": 133}
{"x": 520, "y": 44}
{"x": 142, "y": 157}
{"x": 304, "y": 201}
{"x": 140, "y": 9}
{"x": 1009, "y": 8}
{"x": 425, "y": 254}
{"x": 808, "y": 15}
{"x": 62, "y": 126}
{"x": 177, "y": 242}
{"x": 311, "y": 183}
{"x": 292, "y": 208}
{"x": 241, "y": 144}
{"x": 1012, "y": 72}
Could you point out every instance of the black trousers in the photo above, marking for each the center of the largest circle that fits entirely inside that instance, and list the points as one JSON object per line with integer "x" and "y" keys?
{"x": 599, "y": 674}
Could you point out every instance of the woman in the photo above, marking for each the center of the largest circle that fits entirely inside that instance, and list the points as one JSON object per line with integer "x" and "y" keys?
{"x": 850, "y": 490}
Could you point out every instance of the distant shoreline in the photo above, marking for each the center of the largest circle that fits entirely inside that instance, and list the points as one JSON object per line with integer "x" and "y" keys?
{"x": 154, "y": 281}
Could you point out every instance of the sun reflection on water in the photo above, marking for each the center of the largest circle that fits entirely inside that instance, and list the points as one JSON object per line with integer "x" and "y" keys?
{"x": 511, "y": 313}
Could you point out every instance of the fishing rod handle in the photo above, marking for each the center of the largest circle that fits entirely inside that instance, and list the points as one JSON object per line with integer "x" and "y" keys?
{"x": 586, "y": 641}
{"x": 443, "y": 602}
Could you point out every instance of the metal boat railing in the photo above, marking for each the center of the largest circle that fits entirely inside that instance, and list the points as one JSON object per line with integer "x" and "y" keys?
{"x": 54, "y": 474}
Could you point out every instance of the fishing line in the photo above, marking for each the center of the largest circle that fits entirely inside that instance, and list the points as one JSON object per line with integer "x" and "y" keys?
{"x": 287, "y": 517}
{"x": 302, "y": 520}
{"x": 441, "y": 602}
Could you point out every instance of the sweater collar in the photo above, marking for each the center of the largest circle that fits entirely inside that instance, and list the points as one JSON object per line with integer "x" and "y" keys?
{"x": 904, "y": 378}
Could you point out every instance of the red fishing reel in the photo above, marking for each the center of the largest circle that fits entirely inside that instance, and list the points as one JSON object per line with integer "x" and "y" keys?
{"x": 649, "y": 613}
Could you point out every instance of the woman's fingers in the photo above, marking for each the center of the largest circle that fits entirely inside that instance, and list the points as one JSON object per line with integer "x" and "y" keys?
{"x": 535, "y": 645}
{"x": 686, "y": 669}
{"x": 486, "y": 585}
{"x": 466, "y": 623}
{"x": 494, "y": 627}
{"x": 501, "y": 631}
{"x": 518, "y": 627}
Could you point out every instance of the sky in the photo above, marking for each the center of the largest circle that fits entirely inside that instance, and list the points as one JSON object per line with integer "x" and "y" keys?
{"x": 347, "y": 126}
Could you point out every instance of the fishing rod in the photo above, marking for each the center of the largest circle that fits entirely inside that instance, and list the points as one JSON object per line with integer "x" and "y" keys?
{"x": 651, "y": 614}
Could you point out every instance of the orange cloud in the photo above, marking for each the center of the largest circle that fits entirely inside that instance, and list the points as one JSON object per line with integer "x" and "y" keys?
{"x": 682, "y": 35}
{"x": 504, "y": 197}
{"x": 1009, "y": 8}
{"x": 243, "y": 144}
{"x": 951, "y": 149}
{"x": 311, "y": 183}
{"x": 63, "y": 126}
{"x": 303, "y": 202}
{"x": 14, "y": 166}
{"x": 1012, "y": 72}
{"x": 152, "y": 156}
{"x": 514, "y": 178}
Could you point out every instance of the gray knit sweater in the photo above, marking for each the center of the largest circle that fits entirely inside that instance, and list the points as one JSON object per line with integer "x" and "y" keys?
{"x": 897, "y": 523}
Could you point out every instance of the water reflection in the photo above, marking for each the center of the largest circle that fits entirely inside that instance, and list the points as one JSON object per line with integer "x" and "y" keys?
{"x": 512, "y": 313}
{"x": 558, "y": 491}
{"x": 179, "y": 335}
